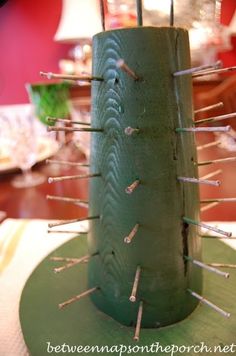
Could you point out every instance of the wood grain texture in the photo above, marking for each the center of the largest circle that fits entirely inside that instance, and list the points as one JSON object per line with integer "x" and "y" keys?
{"x": 157, "y": 104}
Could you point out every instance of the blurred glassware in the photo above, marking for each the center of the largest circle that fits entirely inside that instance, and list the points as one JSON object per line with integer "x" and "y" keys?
{"x": 121, "y": 13}
{"x": 19, "y": 138}
{"x": 207, "y": 35}
{"x": 49, "y": 99}
{"x": 157, "y": 12}
{"x": 81, "y": 111}
{"x": 52, "y": 100}
{"x": 201, "y": 17}
{"x": 227, "y": 140}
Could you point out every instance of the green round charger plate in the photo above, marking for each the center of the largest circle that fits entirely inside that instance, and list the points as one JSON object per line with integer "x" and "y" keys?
{"x": 82, "y": 324}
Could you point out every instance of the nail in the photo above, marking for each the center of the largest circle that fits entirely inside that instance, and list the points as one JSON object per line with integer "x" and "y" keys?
{"x": 207, "y": 302}
{"x": 132, "y": 297}
{"x": 220, "y": 160}
{"x": 72, "y": 129}
{"x": 208, "y": 227}
{"x": 78, "y": 297}
{"x": 197, "y": 69}
{"x": 208, "y": 206}
{"x": 225, "y": 265}
{"x": 71, "y": 263}
{"x": 80, "y": 202}
{"x": 139, "y": 13}
{"x": 132, "y": 186}
{"x": 212, "y": 174}
{"x": 219, "y": 200}
{"x": 172, "y": 13}
{"x": 207, "y": 145}
{"x": 216, "y": 118}
{"x": 80, "y": 176}
{"x": 67, "y": 232}
{"x": 50, "y": 75}
{"x": 210, "y": 107}
{"x": 139, "y": 321}
{"x": 207, "y": 267}
{"x": 122, "y": 65}
{"x": 102, "y": 11}
{"x": 204, "y": 129}
{"x": 215, "y": 71}
{"x": 67, "y": 121}
{"x": 131, "y": 235}
{"x": 130, "y": 130}
{"x": 67, "y": 163}
{"x": 200, "y": 181}
{"x": 65, "y": 222}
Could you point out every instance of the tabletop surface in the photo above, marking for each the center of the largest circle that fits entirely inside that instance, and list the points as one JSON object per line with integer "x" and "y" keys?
{"x": 32, "y": 202}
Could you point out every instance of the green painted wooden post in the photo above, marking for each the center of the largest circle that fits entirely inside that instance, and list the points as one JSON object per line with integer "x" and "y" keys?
{"x": 156, "y": 155}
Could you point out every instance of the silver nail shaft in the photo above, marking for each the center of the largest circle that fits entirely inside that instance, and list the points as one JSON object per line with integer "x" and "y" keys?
{"x": 65, "y": 222}
{"x": 130, "y": 130}
{"x": 102, "y": 10}
{"x": 219, "y": 200}
{"x": 207, "y": 145}
{"x": 63, "y": 259}
{"x": 139, "y": 321}
{"x": 172, "y": 13}
{"x": 216, "y": 118}
{"x": 208, "y": 227}
{"x": 67, "y": 121}
{"x": 208, "y": 207}
{"x": 72, "y": 129}
{"x": 220, "y": 160}
{"x": 132, "y": 186}
{"x": 225, "y": 265}
{"x": 71, "y": 264}
{"x": 210, "y": 304}
{"x": 210, "y": 107}
{"x": 139, "y": 12}
{"x": 122, "y": 65}
{"x": 200, "y": 181}
{"x": 83, "y": 203}
{"x": 207, "y": 267}
{"x": 132, "y": 297}
{"x": 131, "y": 235}
{"x": 214, "y": 71}
{"x": 67, "y": 163}
{"x": 50, "y": 75}
{"x": 197, "y": 69}
{"x": 80, "y": 176}
{"x": 212, "y": 174}
{"x": 67, "y": 232}
{"x": 204, "y": 129}
{"x": 77, "y": 297}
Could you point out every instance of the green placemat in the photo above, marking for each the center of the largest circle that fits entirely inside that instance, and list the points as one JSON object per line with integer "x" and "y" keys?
{"x": 78, "y": 327}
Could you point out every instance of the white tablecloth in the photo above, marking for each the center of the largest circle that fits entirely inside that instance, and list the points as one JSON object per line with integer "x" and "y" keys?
{"x": 23, "y": 244}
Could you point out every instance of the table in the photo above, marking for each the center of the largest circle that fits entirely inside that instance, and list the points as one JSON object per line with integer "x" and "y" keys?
{"x": 225, "y": 211}
{"x": 32, "y": 202}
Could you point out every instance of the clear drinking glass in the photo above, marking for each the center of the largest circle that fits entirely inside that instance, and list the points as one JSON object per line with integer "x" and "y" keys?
{"x": 21, "y": 140}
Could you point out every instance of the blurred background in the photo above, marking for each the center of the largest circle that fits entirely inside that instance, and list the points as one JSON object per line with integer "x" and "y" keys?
{"x": 28, "y": 45}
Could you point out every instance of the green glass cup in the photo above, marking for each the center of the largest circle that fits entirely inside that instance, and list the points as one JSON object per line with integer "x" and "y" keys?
{"x": 49, "y": 99}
